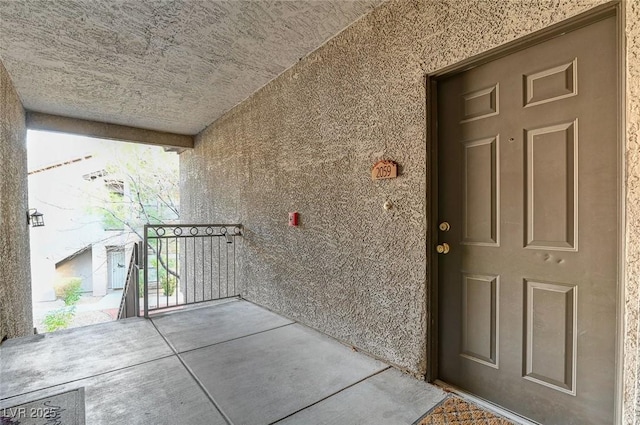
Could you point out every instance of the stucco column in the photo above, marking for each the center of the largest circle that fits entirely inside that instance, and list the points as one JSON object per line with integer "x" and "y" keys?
{"x": 16, "y": 315}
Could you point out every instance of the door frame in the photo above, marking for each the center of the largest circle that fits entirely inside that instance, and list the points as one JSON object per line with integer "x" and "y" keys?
{"x": 614, "y": 8}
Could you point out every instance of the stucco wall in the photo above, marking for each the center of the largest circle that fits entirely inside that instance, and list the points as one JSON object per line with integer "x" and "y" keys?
{"x": 306, "y": 142}
{"x": 632, "y": 243}
{"x": 79, "y": 266}
{"x": 15, "y": 280}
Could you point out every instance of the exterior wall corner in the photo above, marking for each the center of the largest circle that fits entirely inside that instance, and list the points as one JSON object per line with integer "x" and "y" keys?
{"x": 16, "y": 317}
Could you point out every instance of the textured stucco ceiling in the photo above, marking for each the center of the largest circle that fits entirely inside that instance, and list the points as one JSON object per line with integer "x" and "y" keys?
{"x": 165, "y": 65}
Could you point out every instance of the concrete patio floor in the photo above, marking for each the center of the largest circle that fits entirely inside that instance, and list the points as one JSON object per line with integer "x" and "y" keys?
{"x": 231, "y": 363}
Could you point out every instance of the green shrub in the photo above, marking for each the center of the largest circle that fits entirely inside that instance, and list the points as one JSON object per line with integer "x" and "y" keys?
{"x": 72, "y": 292}
{"x": 168, "y": 284}
{"x": 58, "y": 319}
{"x": 69, "y": 289}
{"x": 141, "y": 283}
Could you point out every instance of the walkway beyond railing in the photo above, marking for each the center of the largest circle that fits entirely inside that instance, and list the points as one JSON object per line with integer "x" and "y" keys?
{"x": 130, "y": 302}
{"x": 188, "y": 264}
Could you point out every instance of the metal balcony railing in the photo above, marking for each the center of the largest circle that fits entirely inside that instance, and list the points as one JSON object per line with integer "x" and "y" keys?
{"x": 130, "y": 302}
{"x": 188, "y": 264}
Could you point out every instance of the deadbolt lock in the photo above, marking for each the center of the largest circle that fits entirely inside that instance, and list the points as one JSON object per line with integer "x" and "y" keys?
{"x": 443, "y": 248}
{"x": 444, "y": 226}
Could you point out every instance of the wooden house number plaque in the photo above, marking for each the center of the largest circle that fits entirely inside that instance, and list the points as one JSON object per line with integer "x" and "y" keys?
{"x": 384, "y": 170}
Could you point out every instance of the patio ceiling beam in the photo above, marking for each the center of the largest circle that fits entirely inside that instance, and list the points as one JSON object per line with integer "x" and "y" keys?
{"x": 60, "y": 124}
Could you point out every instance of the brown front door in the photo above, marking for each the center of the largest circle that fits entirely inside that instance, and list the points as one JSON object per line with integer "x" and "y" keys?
{"x": 527, "y": 159}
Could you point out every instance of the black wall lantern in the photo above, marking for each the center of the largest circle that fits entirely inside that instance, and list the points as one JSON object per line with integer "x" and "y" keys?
{"x": 35, "y": 218}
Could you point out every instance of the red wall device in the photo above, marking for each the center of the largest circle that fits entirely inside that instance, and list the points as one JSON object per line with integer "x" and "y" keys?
{"x": 293, "y": 219}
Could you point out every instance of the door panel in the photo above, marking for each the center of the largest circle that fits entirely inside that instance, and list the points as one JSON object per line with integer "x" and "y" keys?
{"x": 480, "y": 319}
{"x": 551, "y": 169}
{"x": 527, "y": 159}
{"x": 480, "y": 197}
{"x": 117, "y": 268}
{"x": 550, "y": 311}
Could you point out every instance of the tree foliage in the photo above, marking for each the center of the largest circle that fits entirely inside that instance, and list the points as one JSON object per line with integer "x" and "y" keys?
{"x": 141, "y": 186}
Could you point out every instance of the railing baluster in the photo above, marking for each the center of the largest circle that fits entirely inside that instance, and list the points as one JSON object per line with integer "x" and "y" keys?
{"x": 195, "y": 277}
{"x": 158, "y": 280}
{"x": 202, "y": 260}
{"x": 145, "y": 264}
{"x": 227, "y": 268}
{"x": 178, "y": 272}
{"x": 136, "y": 280}
{"x": 166, "y": 295}
{"x": 211, "y": 267}
{"x": 186, "y": 273}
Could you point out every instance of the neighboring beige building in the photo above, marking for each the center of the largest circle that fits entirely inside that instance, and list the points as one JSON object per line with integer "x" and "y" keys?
{"x": 75, "y": 241}
{"x": 86, "y": 198}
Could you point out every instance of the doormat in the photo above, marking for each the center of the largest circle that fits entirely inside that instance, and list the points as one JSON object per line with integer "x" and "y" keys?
{"x": 455, "y": 411}
{"x": 66, "y": 408}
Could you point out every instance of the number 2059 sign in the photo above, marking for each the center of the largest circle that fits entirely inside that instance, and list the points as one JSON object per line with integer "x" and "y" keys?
{"x": 384, "y": 170}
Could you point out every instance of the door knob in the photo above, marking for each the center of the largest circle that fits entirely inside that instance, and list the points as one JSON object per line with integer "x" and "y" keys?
{"x": 443, "y": 248}
{"x": 444, "y": 226}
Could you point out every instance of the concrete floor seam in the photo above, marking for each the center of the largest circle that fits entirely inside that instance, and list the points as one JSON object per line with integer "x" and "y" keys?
{"x": 331, "y": 395}
{"x": 233, "y": 339}
{"x": 294, "y": 321}
{"x": 166, "y": 341}
{"x": 87, "y": 377}
{"x": 194, "y": 377}
{"x": 290, "y": 376}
